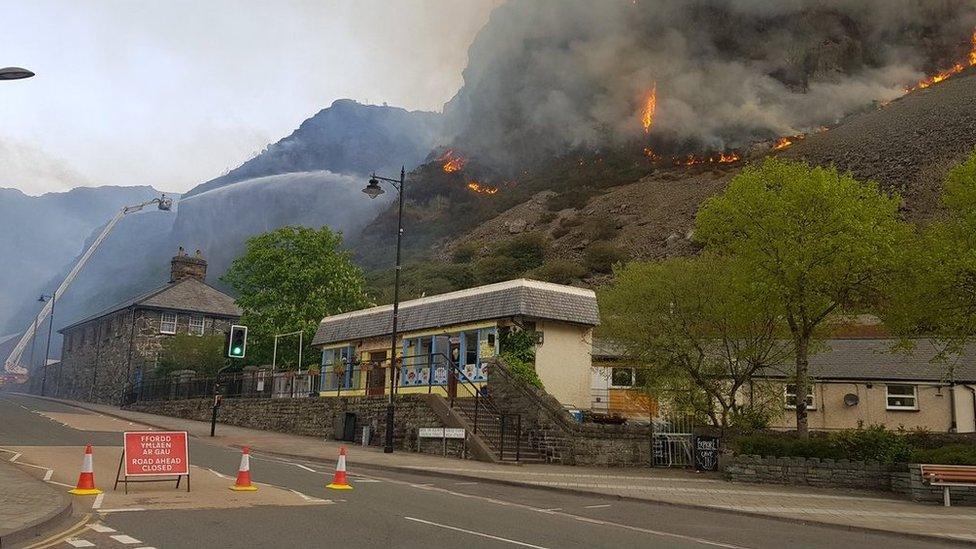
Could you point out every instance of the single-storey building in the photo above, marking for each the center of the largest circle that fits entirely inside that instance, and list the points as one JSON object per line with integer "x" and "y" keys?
{"x": 854, "y": 382}
{"x": 444, "y": 340}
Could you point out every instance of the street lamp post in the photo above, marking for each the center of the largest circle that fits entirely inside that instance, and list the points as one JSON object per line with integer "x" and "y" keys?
{"x": 373, "y": 190}
{"x": 14, "y": 73}
{"x": 50, "y": 326}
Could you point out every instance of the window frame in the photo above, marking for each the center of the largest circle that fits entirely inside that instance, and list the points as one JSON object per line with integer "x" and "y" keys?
{"x": 897, "y": 408}
{"x": 811, "y": 398}
{"x": 633, "y": 377}
{"x": 163, "y": 322}
{"x": 202, "y": 326}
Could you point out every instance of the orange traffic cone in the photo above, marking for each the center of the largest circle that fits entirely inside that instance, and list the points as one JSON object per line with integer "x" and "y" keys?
{"x": 339, "y": 481}
{"x": 86, "y": 480}
{"x": 243, "y": 483}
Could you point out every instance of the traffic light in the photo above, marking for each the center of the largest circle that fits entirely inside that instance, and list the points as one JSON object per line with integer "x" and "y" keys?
{"x": 237, "y": 343}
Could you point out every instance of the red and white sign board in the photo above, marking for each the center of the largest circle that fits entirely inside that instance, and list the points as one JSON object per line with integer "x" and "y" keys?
{"x": 156, "y": 453}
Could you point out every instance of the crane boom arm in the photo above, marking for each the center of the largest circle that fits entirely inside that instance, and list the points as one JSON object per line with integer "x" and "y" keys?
{"x": 13, "y": 361}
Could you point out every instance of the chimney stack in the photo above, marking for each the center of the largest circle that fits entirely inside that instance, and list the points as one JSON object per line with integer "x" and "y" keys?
{"x": 183, "y": 266}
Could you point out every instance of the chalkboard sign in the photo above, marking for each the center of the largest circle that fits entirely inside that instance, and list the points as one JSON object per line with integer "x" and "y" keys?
{"x": 706, "y": 453}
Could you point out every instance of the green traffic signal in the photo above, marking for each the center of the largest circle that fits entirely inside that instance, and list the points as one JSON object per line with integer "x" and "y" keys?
{"x": 237, "y": 341}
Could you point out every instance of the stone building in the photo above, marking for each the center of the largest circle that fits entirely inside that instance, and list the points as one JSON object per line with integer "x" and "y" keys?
{"x": 107, "y": 353}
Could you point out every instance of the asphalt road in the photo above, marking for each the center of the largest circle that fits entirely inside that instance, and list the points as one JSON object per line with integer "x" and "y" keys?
{"x": 393, "y": 509}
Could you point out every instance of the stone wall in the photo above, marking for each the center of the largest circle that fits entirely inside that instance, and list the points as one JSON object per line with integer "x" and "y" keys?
{"x": 559, "y": 435}
{"x": 904, "y": 479}
{"x": 314, "y": 416}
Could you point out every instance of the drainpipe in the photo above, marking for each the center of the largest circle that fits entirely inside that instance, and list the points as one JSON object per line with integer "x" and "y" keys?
{"x": 953, "y": 428}
{"x": 973, "y": 391}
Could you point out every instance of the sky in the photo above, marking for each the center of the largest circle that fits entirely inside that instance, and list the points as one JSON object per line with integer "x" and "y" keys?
{"x": 171, "y": 93}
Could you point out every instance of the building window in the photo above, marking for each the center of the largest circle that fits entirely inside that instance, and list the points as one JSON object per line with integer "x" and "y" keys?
{"x": 790, "y": 393}
{"x": 628, "y": 378}
{"x": 901, "y": 397}
{"x": 196, "y": 325}
{"x": 167, "y": 323}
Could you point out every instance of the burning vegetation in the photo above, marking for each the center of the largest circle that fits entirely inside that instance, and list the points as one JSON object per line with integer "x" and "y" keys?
{"x": 951, "y": 71}
{"x": 647, "y": 111}
{"x": 478, "y": 188}
{"x": 451, "y": 161}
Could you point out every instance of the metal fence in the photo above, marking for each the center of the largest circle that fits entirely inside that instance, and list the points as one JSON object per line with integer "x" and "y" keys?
{"x": 256, "y": 384}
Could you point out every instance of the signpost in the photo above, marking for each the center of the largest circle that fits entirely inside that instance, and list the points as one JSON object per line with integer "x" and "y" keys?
{"x": 442, "y": 433}
{"x": 706, "y": 453}
{"x": 153, "y": 454}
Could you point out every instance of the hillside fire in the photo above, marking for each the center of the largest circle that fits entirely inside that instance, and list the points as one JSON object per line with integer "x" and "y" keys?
{"x": 950, "y": 72}
{"x": 648, "y": 109}
{"x": 478, "y": 188}
{"x": 451, "y": 161}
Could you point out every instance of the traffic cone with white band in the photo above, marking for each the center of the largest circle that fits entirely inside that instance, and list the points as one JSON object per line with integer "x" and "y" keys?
{"x": 243, "y": 483}
{"x": 339, "y": 481}
{"x": 86, "y": 480}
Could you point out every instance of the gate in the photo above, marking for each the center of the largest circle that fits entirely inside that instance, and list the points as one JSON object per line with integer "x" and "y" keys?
{"x": 673, "y": 440}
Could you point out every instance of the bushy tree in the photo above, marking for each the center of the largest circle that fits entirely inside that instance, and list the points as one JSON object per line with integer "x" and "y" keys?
{"x": 288, "y": 280}
{"x": 202, "y": 354}
{"x": 934, "y": 294}
{"x": 700, "y": 329}
{"x": 813, "y": 240}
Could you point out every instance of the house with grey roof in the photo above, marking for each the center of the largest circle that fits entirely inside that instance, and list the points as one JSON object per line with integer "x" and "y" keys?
{"x": 446, "y": 340}
{"x": 854, "y": 381}
{"x": 111, "y": 351}
{"x": 865, "y": 382}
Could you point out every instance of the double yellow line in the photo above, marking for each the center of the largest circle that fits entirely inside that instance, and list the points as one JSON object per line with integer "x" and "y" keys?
{"x": 61, "y": 536}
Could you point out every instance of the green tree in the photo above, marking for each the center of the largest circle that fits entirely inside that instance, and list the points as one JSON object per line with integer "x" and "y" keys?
{"x": 933, "y": 295}
{"x": 811, "y": 239}
{"x": 202, "y": 354}
{"x": 288, "y": 280}
{"x": 699, "y": 328}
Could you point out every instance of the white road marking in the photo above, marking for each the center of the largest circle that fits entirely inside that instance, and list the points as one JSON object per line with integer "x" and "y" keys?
{"x": 98, "y": 501}
{"x": 596, "y": 506}
{"x": 75, "y": 542}
{"x": 49, "y": 474}
{"x": 223, "y": 476}
{"x": 551, "y": 510}
{"x": 464, "y": 483}
{"x": 579, "y": 518}
{"x": 15, "y": 456}
{"x": 300, "y": 466}
{"x": 309, "y": 498}
{"x": 101, "y": 528}
{"x": 366, "y": 480}
{"x": 122, "y": 538}
{"x": 473, "y": 533}
{"x": 122, "y": 510}
{"x": 62, "y": 484}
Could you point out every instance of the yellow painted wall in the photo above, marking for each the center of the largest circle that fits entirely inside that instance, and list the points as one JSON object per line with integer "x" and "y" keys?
{"x": 563, "y": 362}
{"x": 933, "y": 408}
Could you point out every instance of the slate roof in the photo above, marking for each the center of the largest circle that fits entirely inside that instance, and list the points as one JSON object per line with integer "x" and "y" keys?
{"x": 857, "y": 360}
{"x": 527, "y": 298}
{"x": 189, "y": 295}
{"x": 873, "y": 359}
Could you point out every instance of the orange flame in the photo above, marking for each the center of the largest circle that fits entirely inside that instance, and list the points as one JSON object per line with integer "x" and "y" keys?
{"x": 451, "y": 161}
{"x": 694, "y": 160}
{"x": 782, "y": 143}
{"x": 947, "y": 73}
{"x": 478, "y": 188}
{"x": 648, "y": 109}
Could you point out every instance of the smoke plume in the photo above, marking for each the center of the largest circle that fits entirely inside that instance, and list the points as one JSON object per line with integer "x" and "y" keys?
{"x": 547, "y": 75}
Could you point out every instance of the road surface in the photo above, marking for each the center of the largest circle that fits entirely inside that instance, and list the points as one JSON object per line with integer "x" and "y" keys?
{"x": 386, "y": 509}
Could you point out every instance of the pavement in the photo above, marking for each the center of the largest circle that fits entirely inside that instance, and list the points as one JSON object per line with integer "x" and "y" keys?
{"x": 407, "y": 499}
{"x": 28, "y": 506}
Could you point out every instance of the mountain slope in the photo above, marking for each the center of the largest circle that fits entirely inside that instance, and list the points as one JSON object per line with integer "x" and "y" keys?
{"x": 347, "y": 138}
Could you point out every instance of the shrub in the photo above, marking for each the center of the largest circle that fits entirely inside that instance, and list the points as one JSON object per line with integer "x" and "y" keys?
{"x": 559, "y": 271}
{"x": 873, "y": 443}
{"x": 547, "y": 217}
{"x": 466, "y": 252}
{"x": 600, "y": 256}
{"x": 950, "y": 454}
{"x": 571, "y": 198}
{"x": 528, "y": 250}
{"x": 518, "y": 351}
{"x": 496, "y": 269}
{"x": 600, "y": 228}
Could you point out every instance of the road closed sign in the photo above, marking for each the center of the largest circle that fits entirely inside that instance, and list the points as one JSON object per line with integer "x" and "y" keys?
{"x": 156, "y": 453}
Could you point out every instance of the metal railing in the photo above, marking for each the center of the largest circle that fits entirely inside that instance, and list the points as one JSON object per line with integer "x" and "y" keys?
{"x": 256, "y": 384}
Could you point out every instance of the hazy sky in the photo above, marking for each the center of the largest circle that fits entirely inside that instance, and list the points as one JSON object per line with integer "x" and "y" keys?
{"x": 171, "y": 93}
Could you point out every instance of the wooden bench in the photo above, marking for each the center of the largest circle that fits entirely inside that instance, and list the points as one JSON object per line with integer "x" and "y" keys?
{"x": 949, "y": 475}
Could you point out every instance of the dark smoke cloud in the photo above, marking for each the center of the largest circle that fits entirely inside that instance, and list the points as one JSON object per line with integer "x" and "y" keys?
{"x": 545, "y": 75}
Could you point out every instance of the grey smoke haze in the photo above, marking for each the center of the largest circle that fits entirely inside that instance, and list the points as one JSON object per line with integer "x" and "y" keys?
{"x": 544, "y": 75}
